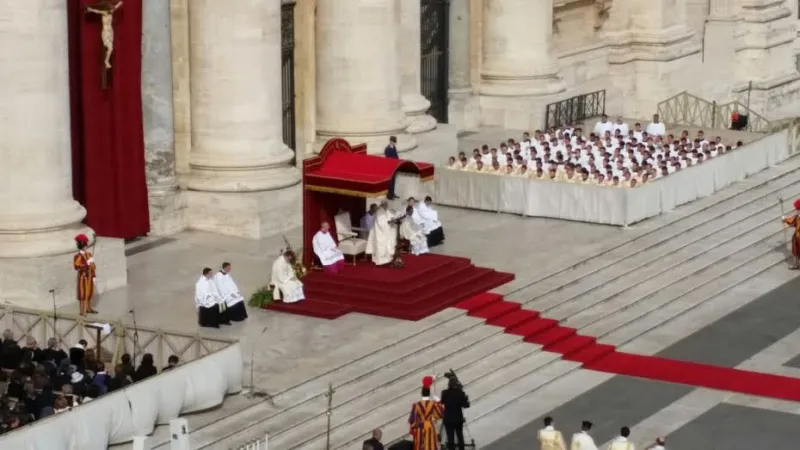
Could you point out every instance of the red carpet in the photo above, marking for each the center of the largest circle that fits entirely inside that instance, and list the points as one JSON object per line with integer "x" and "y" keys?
{"x": 427, "y": 285}
{"x": 605, "y": 358}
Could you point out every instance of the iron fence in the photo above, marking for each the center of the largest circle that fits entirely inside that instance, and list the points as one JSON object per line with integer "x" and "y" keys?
{"x": 575, "y": 109}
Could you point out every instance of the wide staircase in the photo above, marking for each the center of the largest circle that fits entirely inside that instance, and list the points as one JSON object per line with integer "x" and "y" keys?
{"x": 677, "y": 264}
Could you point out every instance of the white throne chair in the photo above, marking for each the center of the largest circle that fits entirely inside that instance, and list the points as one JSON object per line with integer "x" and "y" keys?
{"x": 349, "y": 242}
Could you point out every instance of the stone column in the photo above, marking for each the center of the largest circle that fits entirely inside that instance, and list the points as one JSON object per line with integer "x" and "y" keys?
{"x": 414, "y": 104}
{"x": 39, "y": 216}
{"x": 517, "y": 56}
{"x": 238, "y": 160}
{"x": 463, "y": 110}
{"x": 358, "y": 74}
{"x": 166, "y": 203}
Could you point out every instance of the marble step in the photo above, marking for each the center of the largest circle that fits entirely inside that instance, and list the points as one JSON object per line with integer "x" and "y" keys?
{"x": 658, "y": 255}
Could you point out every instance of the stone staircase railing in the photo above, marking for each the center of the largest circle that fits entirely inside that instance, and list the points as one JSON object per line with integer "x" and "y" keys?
{"x": 68, "y": 329}
{"x": 690, "y": 110}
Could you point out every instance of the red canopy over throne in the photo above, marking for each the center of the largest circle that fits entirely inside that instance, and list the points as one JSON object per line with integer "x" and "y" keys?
{"x": 342, "y": 177}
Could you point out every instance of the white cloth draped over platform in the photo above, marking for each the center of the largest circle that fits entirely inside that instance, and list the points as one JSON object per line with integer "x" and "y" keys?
{"x": 413, "y": 233}
{"x": 286, "y": 285}
{"x": 205, "y": 293}
{"x": 604, "y": 204}
{"x": 382, "y": 239}
{"x": 227, "y": 289}
{"x": 326, "y": 249}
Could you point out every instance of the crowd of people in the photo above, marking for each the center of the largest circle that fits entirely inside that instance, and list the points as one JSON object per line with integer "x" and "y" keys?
{"x": 39, "y": 382}
{"x": 613, "y": 154}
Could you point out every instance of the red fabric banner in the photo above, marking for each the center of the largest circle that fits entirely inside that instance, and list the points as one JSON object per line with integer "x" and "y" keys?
{"x": 108, "y": 163}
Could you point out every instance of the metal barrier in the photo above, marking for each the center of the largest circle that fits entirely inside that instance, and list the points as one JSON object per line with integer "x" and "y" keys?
{"x": 575, "y": 109}
{"x": 690, "y": 110}
{"x": 123, "y": 338}
{"x": 259, "y": 444}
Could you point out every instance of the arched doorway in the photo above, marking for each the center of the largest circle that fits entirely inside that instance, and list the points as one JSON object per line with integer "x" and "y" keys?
{"x": 435, "y": 42}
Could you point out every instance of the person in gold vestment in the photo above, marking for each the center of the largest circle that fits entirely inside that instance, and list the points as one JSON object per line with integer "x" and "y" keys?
{"x": 794, "y": 222}
{"x": 423, "y": 417}
{"x": 550, "y": 438}
{"x": 84, "y": 265}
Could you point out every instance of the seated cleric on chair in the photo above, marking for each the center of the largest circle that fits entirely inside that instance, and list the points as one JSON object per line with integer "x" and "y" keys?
{"x": 327, "y": 251}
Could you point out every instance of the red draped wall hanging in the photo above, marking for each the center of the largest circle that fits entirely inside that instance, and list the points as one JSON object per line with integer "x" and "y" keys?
{"x": 108, "y": 163}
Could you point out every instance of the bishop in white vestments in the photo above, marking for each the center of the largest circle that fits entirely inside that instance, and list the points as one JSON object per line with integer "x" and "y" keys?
{"x": 286, "y": 285}
{"x": 412, "y": 232}
{"x": 207, "y": 300}
{"x": 582, "y": 440}
{"x": 382, "y": 239}
{"x": 327, "y": 251}
{"x": 234, "y": 301}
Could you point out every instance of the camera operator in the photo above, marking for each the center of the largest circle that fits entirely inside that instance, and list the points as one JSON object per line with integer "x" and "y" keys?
{"x": 454, "y": 400}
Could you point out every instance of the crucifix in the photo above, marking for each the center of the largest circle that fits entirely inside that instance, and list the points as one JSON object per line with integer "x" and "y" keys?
{"x": 106, "y": 9}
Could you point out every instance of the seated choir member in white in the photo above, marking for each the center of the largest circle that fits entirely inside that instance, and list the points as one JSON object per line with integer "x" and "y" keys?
{"x": 207, "y": 300}
{"x": 382, "y": 239}
{"x": 234, "y": 301}
{"x": 410, "y": 231}
{"x": 368, "y": 221}
{"x": 656, "y": 127}
{"x": 430, "y": 222}
{"x": 286, "y": 285}
{"x": 327, "y": 251}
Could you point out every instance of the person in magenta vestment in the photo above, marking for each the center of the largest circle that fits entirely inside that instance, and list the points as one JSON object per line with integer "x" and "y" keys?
{"x": 423, "y": 417}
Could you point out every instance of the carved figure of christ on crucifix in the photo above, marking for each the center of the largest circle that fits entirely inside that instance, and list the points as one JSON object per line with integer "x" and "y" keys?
{"x": 106, "y": 9}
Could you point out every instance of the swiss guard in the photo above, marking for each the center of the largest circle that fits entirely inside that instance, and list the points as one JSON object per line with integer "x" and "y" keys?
{"x": 423, "y": 417}
{"x": 84, "y": 265}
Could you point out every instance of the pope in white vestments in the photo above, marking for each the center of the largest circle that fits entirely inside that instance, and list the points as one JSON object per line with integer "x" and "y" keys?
{"x": 286, "y": 285}
{"x": 207, "y": 300}
{"x": 412, "y": 232}
{"x": 234, "y": 301}
{"x": 327, "y": 251}
{"x": 382, "y": 239}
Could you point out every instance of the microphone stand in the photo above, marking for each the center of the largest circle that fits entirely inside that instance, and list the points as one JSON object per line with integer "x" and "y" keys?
{"x": 55, "y": 314}
{"x": 135, "y": 336}
{"x": 253, "y": 391}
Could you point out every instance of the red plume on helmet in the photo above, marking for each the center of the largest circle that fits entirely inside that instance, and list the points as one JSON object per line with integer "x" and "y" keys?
{"x": 797, "y": 204}
{"x": 427, "y": 382}
{"x": 82, "y": 239}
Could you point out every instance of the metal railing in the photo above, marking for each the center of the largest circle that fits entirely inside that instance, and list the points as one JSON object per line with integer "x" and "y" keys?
{"x": 69, "y": 329}
{"x": 258, "y": 444}
{"x": 690, "y": 110}
{"x": 575, "y": 109}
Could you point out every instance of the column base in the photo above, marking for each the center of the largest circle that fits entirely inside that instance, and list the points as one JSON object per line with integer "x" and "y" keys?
{"x": 251, "y": 215}
{"x": 464, "y": 109}
{"x": 167, "y": 210}
{"x": 499, "y": 86}
{"x": 773, "y": 97}
{"x": 375, "y": 142}
{"x": 27, "y": 281}
{"x": 415, "y": 107}
{"x": 211, "y": 173}
{"x": 515, "y": 113}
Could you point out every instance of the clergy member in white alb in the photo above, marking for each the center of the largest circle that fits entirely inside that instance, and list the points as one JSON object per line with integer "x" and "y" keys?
{"x": 207, "y": 300}
{"x": 230, "y": 294}
{"x": 430, "y": 222}
{"x": 582, "y": 440}
{"x": 410, "y": 231}
{"x": 656, "y": 127}
{"x": 550, "y": 438}
{"x": 382, "y": 239}
{"x": 327, "y": 251}
{"x": 286, "y": 285}
{"x": 622, "y": 442}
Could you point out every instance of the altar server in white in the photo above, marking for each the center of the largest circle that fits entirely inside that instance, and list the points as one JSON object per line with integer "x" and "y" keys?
{"x": 430, "y": 222}
{"x": 207, "y": 300}
{"x": 284, "y": 279}
{"x": 412, "y": 232}
{"x": 622, "y": 441}
{"x": 234, "y": 301}
{"x": 582, "y": 440}
{"x": 383, "y": 236}
{"x": 656, "y": 127}
{"x": 327, "y": 250}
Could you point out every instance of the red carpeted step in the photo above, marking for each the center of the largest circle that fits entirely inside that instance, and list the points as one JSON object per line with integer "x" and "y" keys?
{"x": 590, "y": 354}
{"x": 479, "y": 301}
{"x": 311, "y": 308}
{"x": 514, "y": 318}
{"x": 531, "y": 327}
{"x": 552, "y": 336}
{"x": 495, "y": 310}
{"x": 572, "y": 344}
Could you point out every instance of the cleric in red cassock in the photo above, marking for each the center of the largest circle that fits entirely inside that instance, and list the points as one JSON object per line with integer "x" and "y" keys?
{"x": 794, "y": 222}
{"x": 423, "y": 417}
